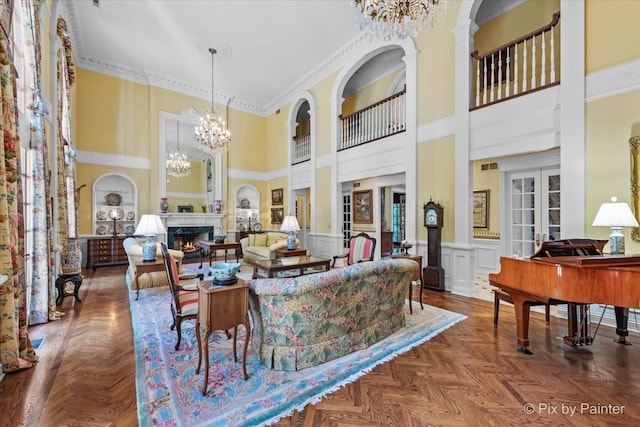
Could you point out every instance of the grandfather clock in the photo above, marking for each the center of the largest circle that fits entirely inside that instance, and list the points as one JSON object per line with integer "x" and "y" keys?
{"x": 433, "y": 273}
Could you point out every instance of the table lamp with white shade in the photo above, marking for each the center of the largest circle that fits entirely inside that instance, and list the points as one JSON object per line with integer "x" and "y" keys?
{"x": 615, "y": 215}
{"x": 149, "y": 226}
{"x": 290, "y": 225}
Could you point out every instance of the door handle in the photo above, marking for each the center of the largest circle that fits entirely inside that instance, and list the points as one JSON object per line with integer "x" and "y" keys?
{"x": 537, "y": 239}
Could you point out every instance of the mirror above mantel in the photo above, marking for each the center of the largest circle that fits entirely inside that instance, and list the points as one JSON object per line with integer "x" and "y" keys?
{"x": 197, "y": 191}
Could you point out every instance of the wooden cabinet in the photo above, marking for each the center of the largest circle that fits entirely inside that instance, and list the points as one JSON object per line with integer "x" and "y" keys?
{"x": 103, "y": 251}
{"x": 386, "y": 243}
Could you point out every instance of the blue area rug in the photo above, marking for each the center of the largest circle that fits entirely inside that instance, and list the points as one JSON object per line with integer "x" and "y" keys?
{"x": 169, "y": 393}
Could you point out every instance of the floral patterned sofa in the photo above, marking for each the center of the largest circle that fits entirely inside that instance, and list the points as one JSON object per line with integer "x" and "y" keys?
{"x": 308, "y": 320}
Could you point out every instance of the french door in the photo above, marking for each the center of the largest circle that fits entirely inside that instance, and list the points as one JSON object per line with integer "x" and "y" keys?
{"x": 533, "y": 208}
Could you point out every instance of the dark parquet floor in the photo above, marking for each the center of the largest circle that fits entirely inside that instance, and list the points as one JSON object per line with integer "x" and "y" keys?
{"x": 469, "y": 375}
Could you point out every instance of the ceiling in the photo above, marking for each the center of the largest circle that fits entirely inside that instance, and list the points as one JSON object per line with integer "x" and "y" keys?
{"x": 264, "y": 46}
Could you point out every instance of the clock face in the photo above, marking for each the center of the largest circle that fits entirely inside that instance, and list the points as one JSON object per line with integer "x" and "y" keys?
{"x": 257, "y": 227}
{"x": 431, "y": 217}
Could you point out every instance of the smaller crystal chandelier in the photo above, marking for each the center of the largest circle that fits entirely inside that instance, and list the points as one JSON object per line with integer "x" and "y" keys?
{"x": 212, "y": 136}
{"x": 177, "y": 163}
{"x": 397, "y": 18}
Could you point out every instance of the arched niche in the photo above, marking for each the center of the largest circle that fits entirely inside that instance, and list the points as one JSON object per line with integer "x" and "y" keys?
{"x": 247, "y": 207}
{"x": 114, "y": 191}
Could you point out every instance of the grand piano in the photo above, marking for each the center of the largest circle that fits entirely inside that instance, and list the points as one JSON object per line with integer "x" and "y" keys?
{"x": 575, "y": 272}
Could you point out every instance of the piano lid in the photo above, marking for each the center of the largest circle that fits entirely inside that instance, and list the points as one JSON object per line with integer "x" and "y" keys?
{"x": 570, "y": 247}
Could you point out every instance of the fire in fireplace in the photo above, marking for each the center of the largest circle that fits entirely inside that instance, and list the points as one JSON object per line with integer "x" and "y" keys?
{"x": 187, "y": 239}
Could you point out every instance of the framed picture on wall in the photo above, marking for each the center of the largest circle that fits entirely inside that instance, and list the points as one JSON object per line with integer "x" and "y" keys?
{"x": 185, "y": 208}
{"x": 361, "y": 205}
{"x": 277, "y": 214}
{"x": 277, "y": 197}
{"x": 481, "y": 209}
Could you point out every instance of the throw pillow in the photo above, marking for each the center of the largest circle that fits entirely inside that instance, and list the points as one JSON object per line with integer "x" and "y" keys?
{"x": 261, "y": 240}
{"x": 272, "y": 238}
{"x": 252, "y": 239}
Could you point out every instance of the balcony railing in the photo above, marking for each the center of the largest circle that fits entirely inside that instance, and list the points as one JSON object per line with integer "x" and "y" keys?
{"x": 384, "y": 118}
{"x": 301, "y": 149}
{"x": 526, "y": 64}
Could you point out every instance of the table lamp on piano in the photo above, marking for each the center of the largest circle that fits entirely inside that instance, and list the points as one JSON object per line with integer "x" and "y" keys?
{"x": 615, "y": 215}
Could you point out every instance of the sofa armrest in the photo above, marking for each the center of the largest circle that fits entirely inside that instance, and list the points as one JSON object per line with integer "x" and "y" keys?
{"x": 278, "y": 245}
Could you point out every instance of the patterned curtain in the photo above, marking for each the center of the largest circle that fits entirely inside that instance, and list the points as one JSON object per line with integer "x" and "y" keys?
{"x": 16, "y": 351}
{"x": 67, "y": 213}
{"x": 42, "y": 303}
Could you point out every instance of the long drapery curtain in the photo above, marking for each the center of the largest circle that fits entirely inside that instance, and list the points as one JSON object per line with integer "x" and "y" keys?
{"x": 42, "y": 304}
{"x": 16, "y": 351}
{"x": 67, "y": 212}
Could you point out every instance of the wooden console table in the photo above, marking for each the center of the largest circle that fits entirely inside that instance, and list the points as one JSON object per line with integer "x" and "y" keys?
{"x": 212, "y": 247}
{"x": 222, "y": 308}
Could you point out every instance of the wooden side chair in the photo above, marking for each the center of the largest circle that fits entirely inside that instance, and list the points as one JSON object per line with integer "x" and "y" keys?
{"x": 361, "y": 248}
{"x": 416, "y": 278}
{"x": 184, "y": 292}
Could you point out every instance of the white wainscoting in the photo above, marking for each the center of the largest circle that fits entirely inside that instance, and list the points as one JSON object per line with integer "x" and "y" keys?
{"x": 487, "y": 257}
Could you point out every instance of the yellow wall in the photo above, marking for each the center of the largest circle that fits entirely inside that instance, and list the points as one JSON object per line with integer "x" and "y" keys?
{"x": 114, "y": 116}
{"x": 436, "y": 74}
{"x": 321, "y": 95}
{"x": 436, "y": 181}
{"x": 611, "y": 33}
{"x": 369, "y": 94}
{"x": 520, "y": 20}
{"x": 277, "y": 131}
{"x": 323, "y": 201}
{"x": 609, "y": 126}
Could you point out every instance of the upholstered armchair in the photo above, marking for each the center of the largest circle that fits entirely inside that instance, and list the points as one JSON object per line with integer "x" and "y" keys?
{"x": 184, "y": 290}
{"x": 361, "y": 248}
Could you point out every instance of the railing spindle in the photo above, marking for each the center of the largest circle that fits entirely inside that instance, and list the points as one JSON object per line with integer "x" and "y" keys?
{"x": 499, "y": 75}
{"x": 527, "y": 71}
{"x": 552, "y": 54}
{"x": 533, "y": 62}
{"x": 543, "y": 69}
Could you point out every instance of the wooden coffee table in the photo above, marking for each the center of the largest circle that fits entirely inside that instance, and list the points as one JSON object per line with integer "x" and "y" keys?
{"x": 293, "y": 266}
{"x": 213, "y": 247}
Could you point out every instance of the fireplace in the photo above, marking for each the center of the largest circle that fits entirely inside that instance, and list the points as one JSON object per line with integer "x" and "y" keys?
{"x": 186, "y": 239}
{"x": 190, "y": 228}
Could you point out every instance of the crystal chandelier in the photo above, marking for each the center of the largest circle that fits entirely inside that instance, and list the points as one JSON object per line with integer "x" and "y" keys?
{"x": 212, "y": 136}
{"x": 397, "y": 18}
{"x": 177, "y": 163}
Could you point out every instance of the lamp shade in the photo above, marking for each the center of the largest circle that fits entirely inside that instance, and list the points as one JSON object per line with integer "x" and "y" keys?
{"x": 150, "y": 225}
{"x": 290, "y": 223}
{"x": 614, "y": 215}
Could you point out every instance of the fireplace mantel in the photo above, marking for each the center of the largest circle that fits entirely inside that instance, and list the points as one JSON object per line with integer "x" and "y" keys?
{"x": 174, "y": 219}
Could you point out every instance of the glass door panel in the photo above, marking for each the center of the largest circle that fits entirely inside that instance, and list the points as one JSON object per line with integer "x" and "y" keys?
{"x": 534, "y": 210}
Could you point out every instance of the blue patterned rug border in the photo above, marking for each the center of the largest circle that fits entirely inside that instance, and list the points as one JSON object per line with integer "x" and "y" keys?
{"x": 360, "y": 363}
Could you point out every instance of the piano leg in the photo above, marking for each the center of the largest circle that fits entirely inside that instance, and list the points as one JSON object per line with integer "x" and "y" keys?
{"x": 622, "y": 318}
{"x": 523, "y": 310}
{"x": 578, "y": 325}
